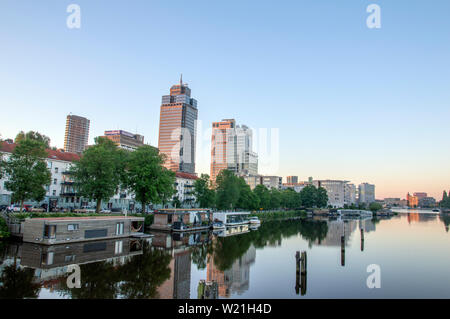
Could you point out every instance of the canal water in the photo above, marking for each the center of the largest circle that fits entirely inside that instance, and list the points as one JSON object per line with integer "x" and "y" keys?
{"x": 406, "y": 256}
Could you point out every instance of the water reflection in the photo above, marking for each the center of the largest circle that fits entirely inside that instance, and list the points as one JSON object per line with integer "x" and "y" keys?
{"x": 230, "y": 264}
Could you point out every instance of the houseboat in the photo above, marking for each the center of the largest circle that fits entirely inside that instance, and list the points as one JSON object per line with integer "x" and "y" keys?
{"x": 354, "y": 213}
{"x": 254, "y": 221}
{"x": 182, "y": 219}
{"x": 59, "y": 230}
{"x": 218, "y": 225}
{"x": 232, "y": 218}
{"x": 234, "y": 230}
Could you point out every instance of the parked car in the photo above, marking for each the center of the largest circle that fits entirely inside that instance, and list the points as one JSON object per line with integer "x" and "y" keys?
{"x": 14, "y": 209}
{"x": 85, "y": 209}
{"x": 3, "y": 207}
{"x": 37, "y": 209}
{"x": 105, "y": 211}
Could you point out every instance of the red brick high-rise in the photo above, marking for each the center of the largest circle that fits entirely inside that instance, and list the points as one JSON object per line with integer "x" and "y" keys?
{"x": 177, "y": 129}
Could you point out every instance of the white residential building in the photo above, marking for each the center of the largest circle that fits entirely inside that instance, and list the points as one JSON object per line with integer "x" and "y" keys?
{"x": 184, "y": 185}
{"x": 335, "y": 190}
{"x": 272, "y": 181}
{"x": 349, "y": 194}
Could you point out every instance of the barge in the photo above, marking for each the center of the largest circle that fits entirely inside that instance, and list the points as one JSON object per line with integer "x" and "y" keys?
{"x": 232, "y": 218}
{"x": 180, "y": 220}
{"x": 58, "y": 230}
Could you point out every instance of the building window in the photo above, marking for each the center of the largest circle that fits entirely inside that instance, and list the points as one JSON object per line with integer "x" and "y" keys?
{"x": 119, "y": 229}
{"x": 72, "y": 227}
{"x": 55, "y": 181}
{"x": 118, "y": 247}
{"x": 69, "y": 258}
{"x": 56, "y": 169}
{"x": 47, "y": 258}
{"x": 50, "y": 231}
{"x": 54, "y": 192}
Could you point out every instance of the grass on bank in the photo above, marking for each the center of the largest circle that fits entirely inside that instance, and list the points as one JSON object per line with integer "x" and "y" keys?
{"x": 280, "y": 214}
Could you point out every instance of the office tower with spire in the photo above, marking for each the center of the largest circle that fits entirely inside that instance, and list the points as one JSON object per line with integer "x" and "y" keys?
{"x": 177, "y": 128}
{"x": 77, "y": 134}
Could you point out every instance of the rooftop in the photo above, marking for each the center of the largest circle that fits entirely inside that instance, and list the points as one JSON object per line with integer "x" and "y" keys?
{"x": 52, "y": 154}
{"x": 87, "y": 218}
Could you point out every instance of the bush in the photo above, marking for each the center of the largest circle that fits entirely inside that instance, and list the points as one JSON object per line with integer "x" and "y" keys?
{"x": 3, "y": 229}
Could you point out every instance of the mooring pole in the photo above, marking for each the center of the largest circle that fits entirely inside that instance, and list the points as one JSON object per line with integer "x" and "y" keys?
{"x": 303, "y": 273}
{"x": 362, "y": 239}
{"x": 297, "y": 272}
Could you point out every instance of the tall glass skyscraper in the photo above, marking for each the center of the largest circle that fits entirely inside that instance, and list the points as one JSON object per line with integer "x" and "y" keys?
{"x": 231, "y": 148}
{"x": 178, "y": 128}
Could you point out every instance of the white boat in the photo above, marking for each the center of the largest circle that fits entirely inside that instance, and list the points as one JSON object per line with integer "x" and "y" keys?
{"x": 254, "y": 221}
{"x": 218, "y": 225}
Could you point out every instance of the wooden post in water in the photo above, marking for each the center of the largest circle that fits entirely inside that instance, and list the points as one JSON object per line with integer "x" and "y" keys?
{"x": 301, "y": 268}
{"x": 297, "y": 272}
{"x": 362, "y": 239}
{"x": 303, "y": 273}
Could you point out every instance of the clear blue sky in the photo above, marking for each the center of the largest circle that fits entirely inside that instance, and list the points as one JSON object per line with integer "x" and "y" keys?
{"x": 350, "y": 102}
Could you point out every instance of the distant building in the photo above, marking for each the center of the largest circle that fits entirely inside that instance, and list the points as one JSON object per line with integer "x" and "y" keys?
{"x": 252, "y": 180}
{"x": 272, "y": 181}
{"x": 395, "y": 202}
{"x": 291, "y": 179}
{"x": 231, "y": 148}
{"x": 420, "y": 195}
{"x": 184, "y": 185}
{"x": 427, "y": 202}
{"x": 295, "y": 186}
{"x": 335, "y": 190}
{"x": 125, "y": 140}
{"x": 349, "y": 194}
{"x": 77, "y": 134}
{"x": 177, "y": 129}
{"x": 413, "y": 201}
{"x": 366, "y": 193}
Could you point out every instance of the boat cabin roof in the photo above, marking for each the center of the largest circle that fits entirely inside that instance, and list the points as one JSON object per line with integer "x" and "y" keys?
{"x": 57, "y": 219}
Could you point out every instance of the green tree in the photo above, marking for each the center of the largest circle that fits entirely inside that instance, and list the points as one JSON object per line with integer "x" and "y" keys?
{"x": 143, "y": 274}
{"x": 321, "y": 197}
{"x": 263, "y": 195}
{"x": 308, "y": 196}
{"x": 27, "y": 172}
{"x": 146, "y": 176}
{"x": 227, "y": 189}
{"x": 247, "y": 198}
{"x": 99, "y": 172}
{"x": 203, "y": 192}
{"x": 374, "y": 207}
{"x": 176, "y": 202}
{"x": 275, "y": 199}
{"x": 291, "y": 199}
{"x": 33, "y": 136}
{"x": 17, "y": 283}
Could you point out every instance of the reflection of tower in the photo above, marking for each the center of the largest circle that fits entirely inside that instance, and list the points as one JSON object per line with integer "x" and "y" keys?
{"x": 236, "y": 278}
{"x": 178, "y": 285}
{"x": 182, "y": 275}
